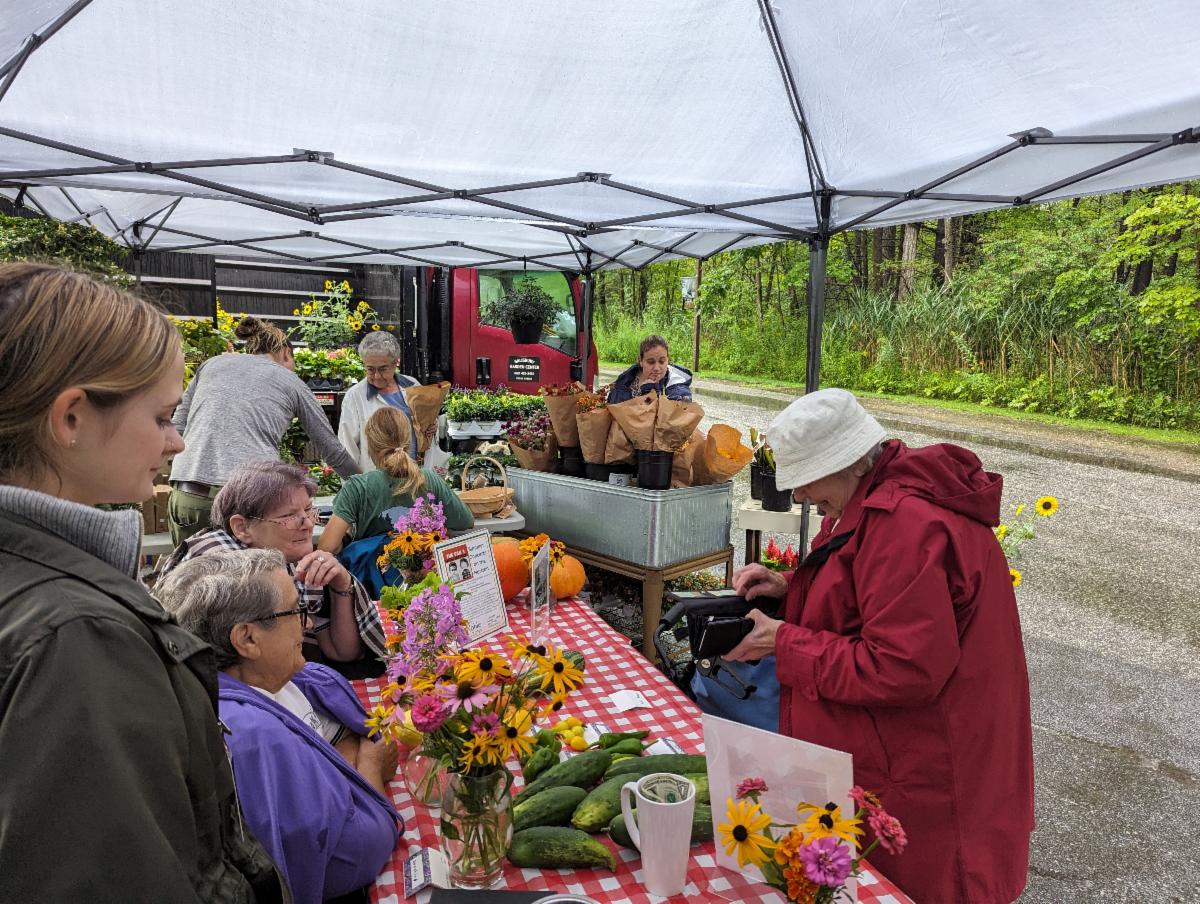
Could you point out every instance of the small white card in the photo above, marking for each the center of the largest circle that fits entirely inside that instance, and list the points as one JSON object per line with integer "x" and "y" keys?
{"x": 593, "y": 730}
{"x": 467, "y": 562}
{"x": 662, "y": 745}
{"x": 424, "y": 868}
{"x": 623, "y": 700}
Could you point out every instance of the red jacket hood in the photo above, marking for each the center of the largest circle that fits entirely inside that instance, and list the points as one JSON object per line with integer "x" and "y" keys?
{"x": 946, "y": 475}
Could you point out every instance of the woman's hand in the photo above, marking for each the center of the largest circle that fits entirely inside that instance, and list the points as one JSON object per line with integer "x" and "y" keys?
{"x": 752, "y": 581}
{"x": 377, "y": 763}
{"x": 759, "y": 642}
{"x": 321, "y": 569}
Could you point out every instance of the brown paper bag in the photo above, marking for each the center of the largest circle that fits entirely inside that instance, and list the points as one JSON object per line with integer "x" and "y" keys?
{"x": 683, "y": 462}
{"x": 562, "y": 419}
{"x": 534, "y": 460}
{"x": 618, "y": 450}
{"x": 425, "y": 402}
{"x": 593, "y": 434}
{"x": 636, "y": 418}
{"x": 724, "y": 453}
{"x": 674, "y": 424}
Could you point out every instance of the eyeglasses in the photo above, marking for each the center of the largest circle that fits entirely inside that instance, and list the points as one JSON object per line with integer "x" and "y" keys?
{"x": 305, "y": 615}
{"x": 293, "y": 522}
{"x": 381, "y": 371}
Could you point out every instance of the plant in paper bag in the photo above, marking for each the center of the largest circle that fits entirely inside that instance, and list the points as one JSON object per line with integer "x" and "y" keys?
{"x": 778, "y": 559}
{"x": 1012, "y": 534}
{"x": 531, "y": 431}
{"x": 409, "y": 549}
{"x": 811, "y": 860}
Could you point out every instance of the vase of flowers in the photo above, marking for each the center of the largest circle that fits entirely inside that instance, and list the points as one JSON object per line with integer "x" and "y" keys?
{"x": 809, "y": 861}
{"x": 409, "y": 549}
{"x": 476, "y": 826}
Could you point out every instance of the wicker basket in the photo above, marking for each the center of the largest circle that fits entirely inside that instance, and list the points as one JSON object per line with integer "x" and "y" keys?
{"x": 485, "y": 501}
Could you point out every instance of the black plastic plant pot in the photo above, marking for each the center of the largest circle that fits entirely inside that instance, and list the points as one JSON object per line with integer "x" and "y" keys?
{"x": 774, "y": 500}
{"x": 654, "y": 469}
{"x": 572, "y": 460}
{"x": 597, "y": 472}
{"x": 526, "y": 332}
{"x": 756, "y": 476}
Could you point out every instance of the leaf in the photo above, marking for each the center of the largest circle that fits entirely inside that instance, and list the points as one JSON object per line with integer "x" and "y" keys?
{"x": 450, "y": 830}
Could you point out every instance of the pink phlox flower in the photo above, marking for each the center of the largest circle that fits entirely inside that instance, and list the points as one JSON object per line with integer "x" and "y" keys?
{"x": 484, "y": 723}
{"x": 433, "y": 623}
{"x": 826, "y": 861}
{"x": 887, "y": 829}
{"x": 750, "y": 786}
{"x": 429, "y": 713}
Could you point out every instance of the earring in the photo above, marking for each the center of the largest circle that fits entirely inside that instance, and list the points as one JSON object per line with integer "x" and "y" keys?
{"x": 73, "y": 442}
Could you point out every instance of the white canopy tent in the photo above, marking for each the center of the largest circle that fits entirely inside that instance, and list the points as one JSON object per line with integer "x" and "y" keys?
{"x": 580, "y": 135}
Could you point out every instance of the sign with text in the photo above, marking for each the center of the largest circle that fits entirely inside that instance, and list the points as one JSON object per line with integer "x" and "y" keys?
{"x": 524, "y": 369}
{"x": 467, "y": 563}
{"x": 539, "y": 596}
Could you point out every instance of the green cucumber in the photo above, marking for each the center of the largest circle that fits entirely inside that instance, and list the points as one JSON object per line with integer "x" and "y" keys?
{"x": 582, "y": 771}
{"x": 576, "y": 659}
{"x": 700, "y": 780}
{"x": 702, "y": 827}
{"x": 552, "y": 807}
{"x": 555, "y": 847}
{"x": 676, "y": 763}
{"x": 542, "y": 759}
{"x": 597, "y": 809}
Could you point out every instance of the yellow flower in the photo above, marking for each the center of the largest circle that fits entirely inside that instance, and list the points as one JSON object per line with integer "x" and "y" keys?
{"x": 554, "y": 704}
{"x": 481, "y": 750}
{"x": 1016, "y": 577}
{"x": 1002, "y": 532}
{"x": 407, "y": 542}
{"x": 1046, "y": 506}
{"x": 787, "y": 849}
{"x": 391, "y": 329}
{"x": 375, "y": 326}
{"x": 482, "y": 667}
{"x": 328, "y": 284}
{"x": 307, "y": 309}
{"x": 512, "y": 738}
{"x": 826, "y": 821}
{"x": 377, "y": 720}
{"x": 743, "y": 832}
{"x": 345, "y": 285}
{"x": 800, "y": 888}
{"x": 296, "y": 312}
{"x": 1020, "y": 508}
{"x": 558, "y": 672}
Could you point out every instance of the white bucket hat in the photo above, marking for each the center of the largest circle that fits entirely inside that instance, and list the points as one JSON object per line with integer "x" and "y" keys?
{"x": 819, "y": 434}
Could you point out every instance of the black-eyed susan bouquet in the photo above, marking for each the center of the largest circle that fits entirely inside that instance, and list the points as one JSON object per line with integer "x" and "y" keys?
{"x": 531, "y": 546}
{"x": 1012, "y": 534}
{"x": 809, "y": 861}
{"x": 409, "y": 549}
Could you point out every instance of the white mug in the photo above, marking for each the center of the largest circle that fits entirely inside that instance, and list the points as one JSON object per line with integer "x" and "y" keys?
{"x": 663, "y": 831}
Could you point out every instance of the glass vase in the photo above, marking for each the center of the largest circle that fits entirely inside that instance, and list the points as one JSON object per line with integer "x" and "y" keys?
{"x": 476, "y": 827}
{"x": 426, "y": 778}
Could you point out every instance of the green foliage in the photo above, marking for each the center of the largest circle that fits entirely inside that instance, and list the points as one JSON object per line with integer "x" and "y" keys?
{"x": 527, "y": 302}
{"x": 77, "y": 245}
{"x": 339, "y": 364}
{"x": 333, "y": 320}
{"x": 489, "y": 404}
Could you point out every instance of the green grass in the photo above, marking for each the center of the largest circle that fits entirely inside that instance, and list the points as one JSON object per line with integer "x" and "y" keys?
{"x": 1183, "y": 438}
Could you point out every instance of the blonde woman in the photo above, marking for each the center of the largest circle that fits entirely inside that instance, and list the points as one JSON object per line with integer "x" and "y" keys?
{"x": 367, "y": 505}
{"x": 235, "y": 411}
{"x": 117, "y": 787}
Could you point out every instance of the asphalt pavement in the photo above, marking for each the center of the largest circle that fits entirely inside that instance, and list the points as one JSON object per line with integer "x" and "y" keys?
{"x": 1111, "y": 617}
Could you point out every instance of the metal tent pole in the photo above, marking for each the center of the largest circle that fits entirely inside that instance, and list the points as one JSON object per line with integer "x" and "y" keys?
{"x": 817, "y": 250}
{"x": 589, "y": 287}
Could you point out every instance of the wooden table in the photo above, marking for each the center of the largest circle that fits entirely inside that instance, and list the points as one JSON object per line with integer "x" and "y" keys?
{"x": 754, "y": 520}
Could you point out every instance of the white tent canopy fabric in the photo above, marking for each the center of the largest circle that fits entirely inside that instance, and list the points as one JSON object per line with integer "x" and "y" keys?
{"x": 577, "y": 135}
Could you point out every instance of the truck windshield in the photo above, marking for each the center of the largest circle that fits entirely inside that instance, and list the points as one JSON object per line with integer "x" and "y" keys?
{"x": 560, "y": 332}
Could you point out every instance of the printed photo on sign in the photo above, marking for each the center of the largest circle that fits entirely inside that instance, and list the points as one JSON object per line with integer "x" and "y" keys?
{"x": 467, "y": 563}
{"x": 540, "y": 601}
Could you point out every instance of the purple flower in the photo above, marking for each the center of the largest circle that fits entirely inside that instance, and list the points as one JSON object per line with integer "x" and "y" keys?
{"x": 826, "y": 861}
{"x": 433, "y": 623}
{"x": 484, "y": 723}
{"x": 429, "y": 713}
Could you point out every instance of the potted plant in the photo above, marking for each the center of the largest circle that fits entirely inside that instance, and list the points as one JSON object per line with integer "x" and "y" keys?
{"x": 526, "y": 308}
{"x": 773, "y": 500}
{"x": 489, "y": 413}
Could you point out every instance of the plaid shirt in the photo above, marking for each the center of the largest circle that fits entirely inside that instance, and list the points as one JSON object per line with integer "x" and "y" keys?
{"x": 366, "y": 613}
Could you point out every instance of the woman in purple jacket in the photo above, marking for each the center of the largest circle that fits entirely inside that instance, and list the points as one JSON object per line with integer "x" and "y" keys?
{"x": 313, "y": 787}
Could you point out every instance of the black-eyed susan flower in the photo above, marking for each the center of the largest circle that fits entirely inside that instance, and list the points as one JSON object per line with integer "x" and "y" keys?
{"x": 559, "y": 674}
{"x": 1046, "y": 506}
{"x": 1015, "y": 576}
{"x": 743, "y": 832}
{"x": 513, "y": 736}
{"x": 481, "y": 750}
{"x": 483, "y": 667}
{"x": 827, "y": 821}
{"x": 377, "y": 720}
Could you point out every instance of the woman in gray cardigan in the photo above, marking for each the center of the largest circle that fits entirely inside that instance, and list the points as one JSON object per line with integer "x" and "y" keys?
{"x": 117, "y": 785}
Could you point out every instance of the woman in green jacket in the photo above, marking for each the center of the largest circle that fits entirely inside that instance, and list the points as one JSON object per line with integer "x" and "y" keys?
{"x": 117, "y": 785}
{"x": 367, "y": 505}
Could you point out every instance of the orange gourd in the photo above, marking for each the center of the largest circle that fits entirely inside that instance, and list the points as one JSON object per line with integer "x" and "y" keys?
{"x": 567, "y": 577}
{"x": 514, "y": 573}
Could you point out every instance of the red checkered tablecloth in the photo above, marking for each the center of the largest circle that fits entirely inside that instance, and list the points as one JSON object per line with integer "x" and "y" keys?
{"x": 612, "y": 663}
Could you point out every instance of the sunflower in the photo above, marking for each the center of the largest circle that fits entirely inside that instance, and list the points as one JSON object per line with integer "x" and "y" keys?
{"x": 826, "y": 821}
{"x": 1016, "y": 577}
{"x": 1046, "y": 506}
{"x": 558, "y": 672}
{"x": 328, "y": 284}
{"x": 375, "y": 327}
{"x": 307, "y": 309}
{"x": 481, "y": 750}
{"x": 391, "y": 329}
{"x": 483, "y": 667}
{"x": 1002, "y": 532}
{"x": 513, "y": 738}
{"x": 345, "y": 285}
{"x": 743, "y": 832}
{"x": 296, "y": 312}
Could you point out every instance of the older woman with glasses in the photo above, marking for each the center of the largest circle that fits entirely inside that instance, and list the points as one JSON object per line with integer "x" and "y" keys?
{"x": 268, "y": 505}
{"x": 312, "y": 786}
{"x": 384, "y": 386}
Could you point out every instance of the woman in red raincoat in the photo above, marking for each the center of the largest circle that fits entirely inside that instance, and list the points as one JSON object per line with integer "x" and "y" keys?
{"x": 901, "y": 644}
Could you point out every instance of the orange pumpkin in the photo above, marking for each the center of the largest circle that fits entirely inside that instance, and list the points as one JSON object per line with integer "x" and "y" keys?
{"x": 567, "y": 577}
{"x": 514, "y": 573}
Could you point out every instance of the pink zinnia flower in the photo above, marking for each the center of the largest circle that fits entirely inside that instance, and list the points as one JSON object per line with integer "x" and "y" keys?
{"x": 750, "y": 786}
{"x": 826, "y": 861}
{"x": 429, "y": 713}
{"x": 865, "y": 800}
{"x": 888, "y": 830}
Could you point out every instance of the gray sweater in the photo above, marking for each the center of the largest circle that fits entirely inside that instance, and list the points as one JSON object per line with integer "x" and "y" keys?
{"x": 236, "y": 410}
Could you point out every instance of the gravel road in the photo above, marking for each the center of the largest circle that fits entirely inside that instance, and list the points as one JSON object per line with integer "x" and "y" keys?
{"x": 1111, "y": 616}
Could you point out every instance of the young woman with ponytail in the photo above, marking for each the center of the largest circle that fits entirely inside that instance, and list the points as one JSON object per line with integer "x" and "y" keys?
{"x": 367, "y": 505}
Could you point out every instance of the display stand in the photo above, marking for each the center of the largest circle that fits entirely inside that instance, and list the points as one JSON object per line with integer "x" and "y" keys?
{"x": 753, "y": 520}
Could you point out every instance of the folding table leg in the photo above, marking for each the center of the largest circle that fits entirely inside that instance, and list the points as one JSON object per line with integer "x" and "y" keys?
{"x": 652, "y": 599}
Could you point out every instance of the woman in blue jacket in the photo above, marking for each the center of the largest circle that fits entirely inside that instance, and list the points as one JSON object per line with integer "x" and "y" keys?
{"x": 654, "y": 372}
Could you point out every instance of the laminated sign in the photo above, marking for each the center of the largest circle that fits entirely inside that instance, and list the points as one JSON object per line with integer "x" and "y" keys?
{"x": 467, "y": 563}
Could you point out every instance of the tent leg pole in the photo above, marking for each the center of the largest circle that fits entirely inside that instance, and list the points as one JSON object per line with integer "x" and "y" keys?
{"x": 585, "y": 338}
{"x": 817, "y": 250}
